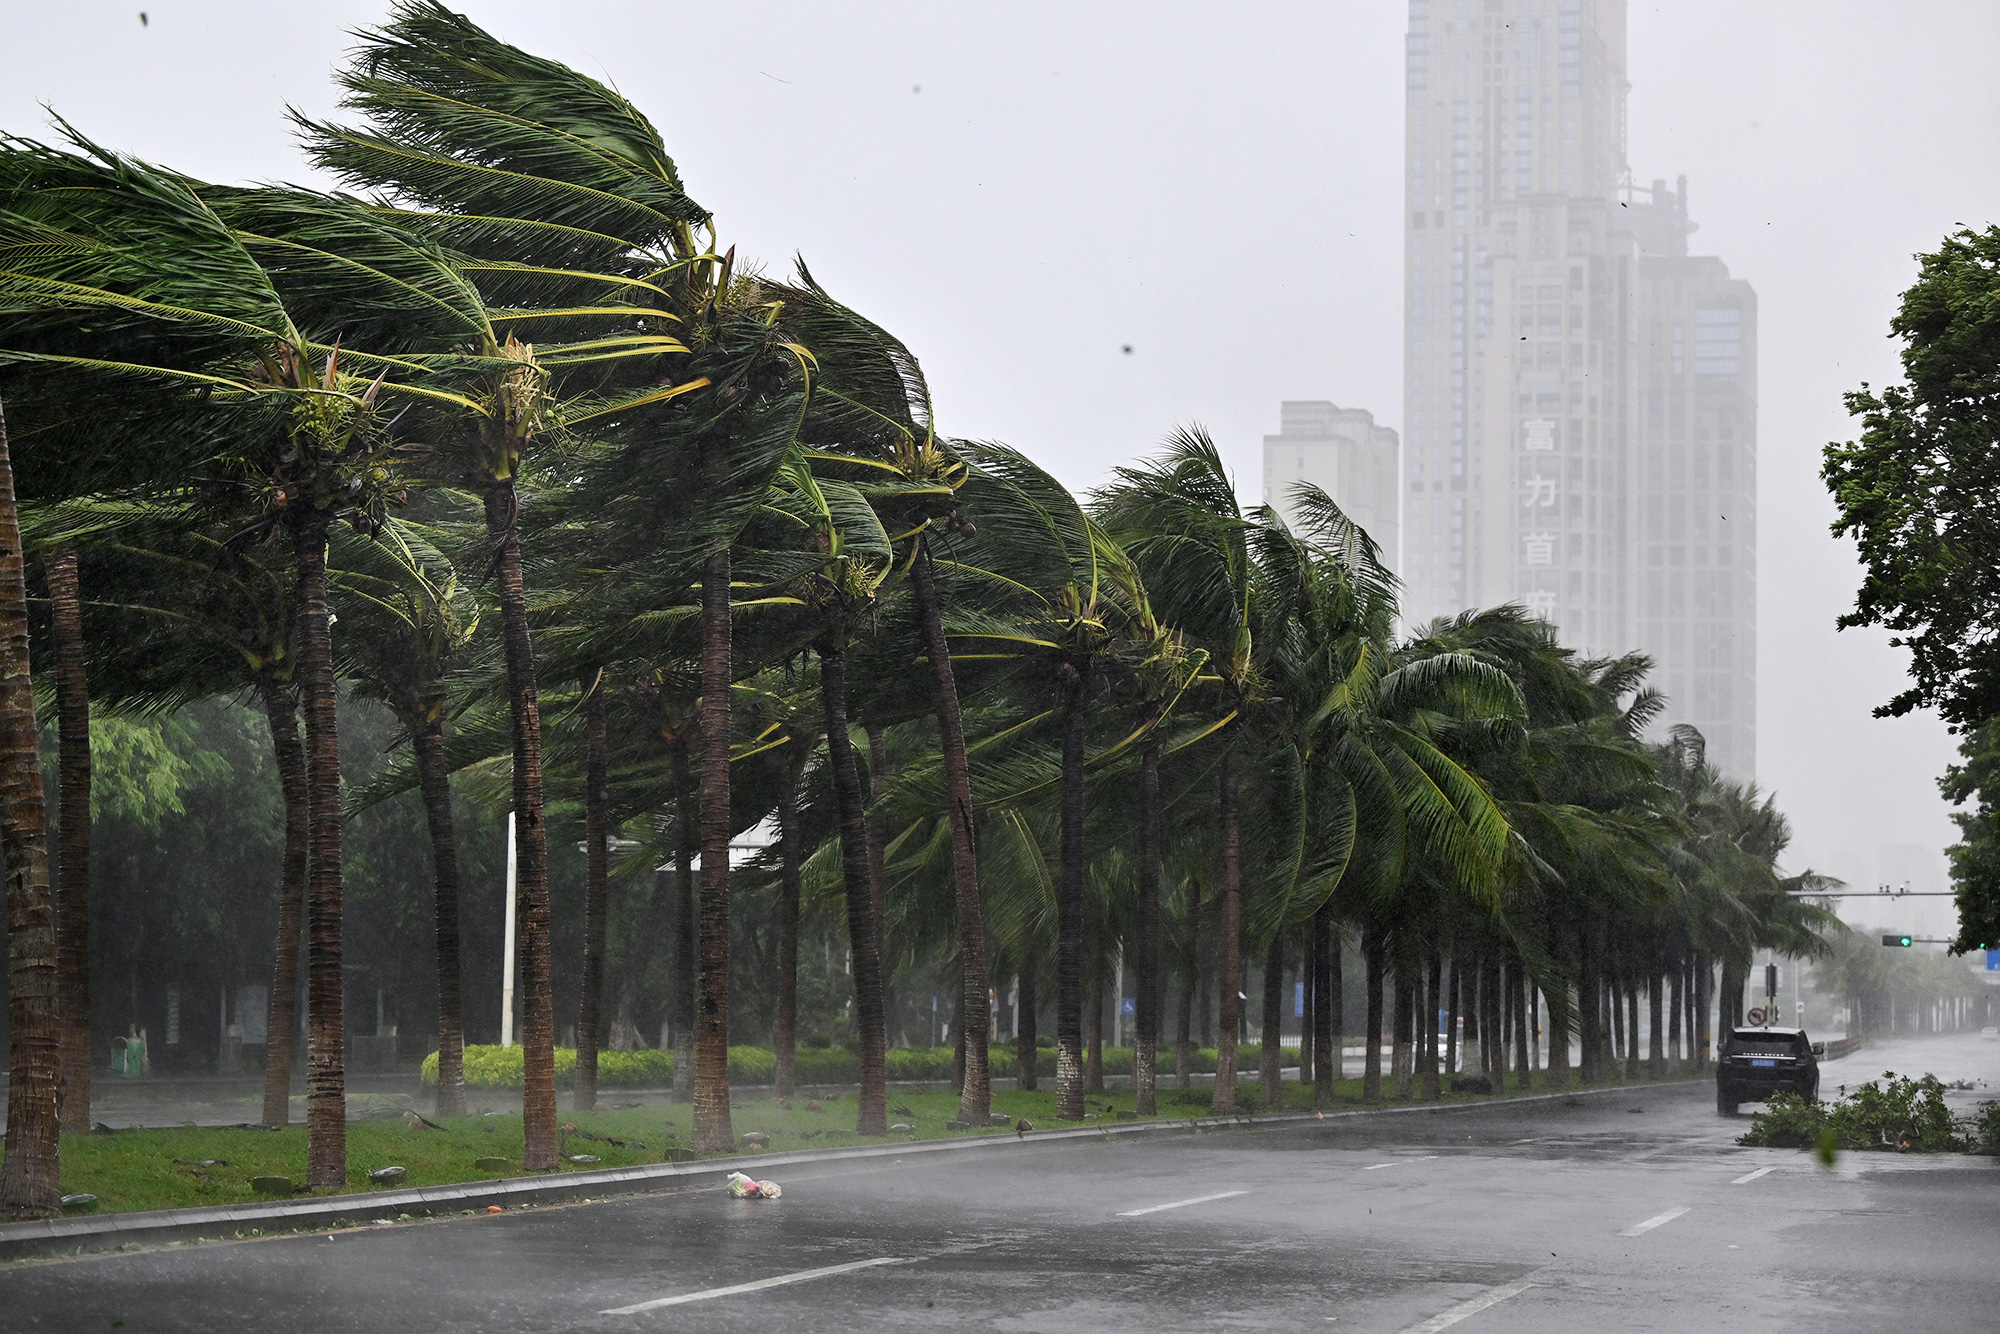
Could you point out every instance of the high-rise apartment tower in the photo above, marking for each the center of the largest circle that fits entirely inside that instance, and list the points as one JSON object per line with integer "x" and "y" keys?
{"x": 1345, "y": 454}
{"x": 1579, "y": 392}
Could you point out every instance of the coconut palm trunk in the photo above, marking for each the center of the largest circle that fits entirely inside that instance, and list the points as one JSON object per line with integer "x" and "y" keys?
{"x": 31, "y": 1173}
{"x": 1270, "y": 1056}
{"x": 1403, "y": 1021}
{"x": 872, "y": 1116}
{"x": 1656, "y": 1056}
{"x": 681, "y": 993}
{"x": 434, "y": 780}
{"x": 1451, "y": 995}
{"x": 785, "y": 1027}
{"x": 540, "y": 1149}
{"x": 73, "y": 838}
{"x": 1703, "y": 975}
{"x": 1230, "y": 966}
{"x": 596, "y": 891}
{"x": 1093, "y": 1027}
{"x": 1184, "y": 1037}
{"x": 975, "y": 1101}
{"x": 1589, "y": 1014}
{"x": 1027, "y": 1053}
{"x": 1631, "y": 1032}
{"x": 713, "y": 1131}
{"x": 878, "y": 847}
{"x": 326, "y": 1066}
{"x": 1069, "y": 914}
{"x": 1327, "y": 1044}
{"x": 281, "y": 713}
{"x": 1371, "y": 1070}
{"x": 1146, "y": 987}
{"x": 1676, "y": 1004}
{"x": 1434, "y": 991}
{"x": 1519, "y": 990}
{"x": 1308, "y": 966}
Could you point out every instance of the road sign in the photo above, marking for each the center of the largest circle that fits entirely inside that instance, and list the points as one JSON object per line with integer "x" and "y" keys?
{"x": 1755, "y": 1016}
{"x": 1129, "y": 1005}
{"x": 1993, "y": 961}
{"x": 1802, "y": 1009}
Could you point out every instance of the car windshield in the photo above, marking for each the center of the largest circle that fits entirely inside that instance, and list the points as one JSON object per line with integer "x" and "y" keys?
{"x": 1766, "y": 1044}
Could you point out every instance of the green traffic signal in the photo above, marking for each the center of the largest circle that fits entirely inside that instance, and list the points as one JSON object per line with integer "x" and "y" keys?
{"x": 1896, "y": 940}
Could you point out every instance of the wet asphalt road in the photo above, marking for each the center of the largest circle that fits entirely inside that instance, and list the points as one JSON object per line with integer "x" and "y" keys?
{"x": 1584, "y": 1216}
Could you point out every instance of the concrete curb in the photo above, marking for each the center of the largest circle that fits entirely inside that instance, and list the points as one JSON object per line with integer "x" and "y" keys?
{"x": 63, "y": 1237}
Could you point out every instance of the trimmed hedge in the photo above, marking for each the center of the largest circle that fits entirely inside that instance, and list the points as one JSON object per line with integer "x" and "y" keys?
{"x": 500, "y": 1067}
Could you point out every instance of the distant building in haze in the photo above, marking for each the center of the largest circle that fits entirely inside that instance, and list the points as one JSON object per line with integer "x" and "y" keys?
{"x": 1345, "y": 454}
{"x": 1579, "y": 391}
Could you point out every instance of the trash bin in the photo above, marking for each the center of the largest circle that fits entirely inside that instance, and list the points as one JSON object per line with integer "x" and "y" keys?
{"x": 128, "y": 1056}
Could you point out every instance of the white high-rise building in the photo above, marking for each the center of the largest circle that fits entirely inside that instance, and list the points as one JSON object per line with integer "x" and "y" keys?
{"x": 1345, "y": 454}
{"x": 1570, "y": 373}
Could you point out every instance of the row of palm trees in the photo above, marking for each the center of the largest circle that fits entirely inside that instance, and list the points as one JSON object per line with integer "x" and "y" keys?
{"x": 272, "y": 440}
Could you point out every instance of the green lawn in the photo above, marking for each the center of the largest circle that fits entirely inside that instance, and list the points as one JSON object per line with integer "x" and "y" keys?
{"x": 192, "y": 1165}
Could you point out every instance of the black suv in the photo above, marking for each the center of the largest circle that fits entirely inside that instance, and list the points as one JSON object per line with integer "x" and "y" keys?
{"x": 1754, "y": 1063}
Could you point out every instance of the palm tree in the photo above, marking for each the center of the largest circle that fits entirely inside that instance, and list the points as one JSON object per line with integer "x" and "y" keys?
{"x": 31, "y": 1171}
{"x": 530, "y": 166}
{"x": 72, "y": 881}
{"x": 299, "y": 433}
{"x": 1178, "y": 517}
{"x": 881, "y": 433}
{"x": 409, "y": 615}
{"x": 1064, "y": 603}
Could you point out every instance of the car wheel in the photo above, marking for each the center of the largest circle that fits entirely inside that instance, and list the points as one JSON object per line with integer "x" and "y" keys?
{"x": 1725, "y": 1104}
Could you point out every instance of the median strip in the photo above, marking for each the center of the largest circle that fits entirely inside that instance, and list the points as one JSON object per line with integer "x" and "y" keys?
{"x": 737, "y": 1289}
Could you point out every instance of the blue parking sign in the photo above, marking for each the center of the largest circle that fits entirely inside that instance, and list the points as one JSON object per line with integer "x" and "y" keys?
{"x": 1993, "y": 961}
{"x": 1129, "y": 1005}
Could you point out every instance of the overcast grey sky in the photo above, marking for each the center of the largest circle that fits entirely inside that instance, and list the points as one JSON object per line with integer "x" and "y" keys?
{"x": 1020, "y": 190}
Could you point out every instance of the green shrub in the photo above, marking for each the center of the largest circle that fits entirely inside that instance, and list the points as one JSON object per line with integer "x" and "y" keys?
{"x": 1986, "y": 1128}
{"x": 921, "y": 1063}
{"x": 1901, "y": 1114}
{"x": 1788, "y": 1122}
{"x": 500, "y": 1067}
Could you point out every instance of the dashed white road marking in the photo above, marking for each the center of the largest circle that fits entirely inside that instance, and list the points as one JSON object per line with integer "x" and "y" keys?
{"x": 735, "y": 1289}
{"x": 1473, "y": 1306}
{"x": 1182, "y": 1204}
{"x": 1752, "y": 1176}
{"x": 1376, "y": 1167}
{"x": 1655, "y": 1221}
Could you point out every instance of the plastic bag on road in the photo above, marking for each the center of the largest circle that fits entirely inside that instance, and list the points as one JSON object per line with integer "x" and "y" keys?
{"x": 745, "y": 1188}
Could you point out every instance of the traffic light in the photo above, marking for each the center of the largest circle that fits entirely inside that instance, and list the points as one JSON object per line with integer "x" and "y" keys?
{"x": 1896, "y": 940}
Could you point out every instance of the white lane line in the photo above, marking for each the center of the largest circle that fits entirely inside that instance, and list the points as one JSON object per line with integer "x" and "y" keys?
{"x": 1376, "y": 1167}
{"x": 1451, "y": 1316}
{"x": 1752, "y": 1176}
{"x": 1182, "y": 1204}
{"x": 1653, "y": 1222}
{"x": 736, "y": 1289}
